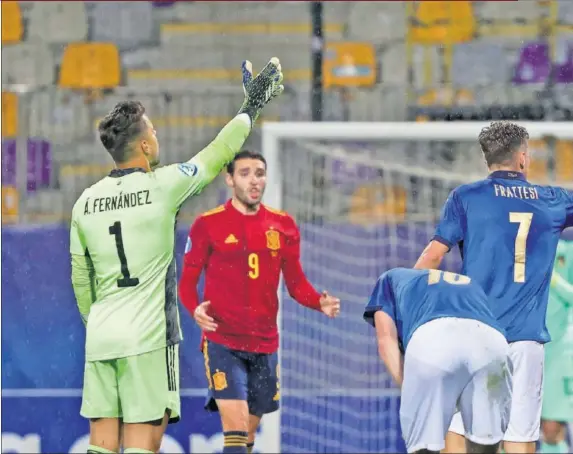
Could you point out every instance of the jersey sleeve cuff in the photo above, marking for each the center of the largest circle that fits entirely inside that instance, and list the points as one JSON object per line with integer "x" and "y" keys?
{"x": 441, "y": 239}
{"x": 371, "y": 310}
{"x": 244, "y": 118}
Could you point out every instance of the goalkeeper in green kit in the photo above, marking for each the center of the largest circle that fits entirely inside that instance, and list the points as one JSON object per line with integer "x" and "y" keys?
{"x": 558, "y": 374}
{"x": 123, "y": 269}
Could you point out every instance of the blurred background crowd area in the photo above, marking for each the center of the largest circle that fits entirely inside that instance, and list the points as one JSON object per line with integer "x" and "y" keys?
{"x": 66, "y": 64}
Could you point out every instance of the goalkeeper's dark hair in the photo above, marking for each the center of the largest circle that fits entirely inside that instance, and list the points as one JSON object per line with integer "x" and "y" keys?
{"x": 245, "y": 154}
{"x": 500, "y": 140}
{"x": 120, "y": 127}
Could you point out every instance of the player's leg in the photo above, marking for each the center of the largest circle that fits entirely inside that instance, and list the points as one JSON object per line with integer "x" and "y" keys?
{"x": 100, "y": 404}
{"x": 149, "y": 393}
{"x": 524, "y": 423}
{"x": 554, "y": 437}
{"x": 455, "y": 439}
{"x": 226, "y": 371}
{"x": 254, "y": 422}
{"x": 557, "y": 399}
{"x": 264, "y": 390}
{"x": 486, "y": 400}
{"x": 433, "y": 380}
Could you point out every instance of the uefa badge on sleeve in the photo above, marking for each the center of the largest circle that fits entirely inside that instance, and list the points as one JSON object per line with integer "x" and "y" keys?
{"x": 188, "y": 169}
{"x": 188, "y": 245}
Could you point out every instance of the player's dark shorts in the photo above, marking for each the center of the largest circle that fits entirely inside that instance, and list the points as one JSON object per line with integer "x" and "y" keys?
{"x": 234, "y": 374}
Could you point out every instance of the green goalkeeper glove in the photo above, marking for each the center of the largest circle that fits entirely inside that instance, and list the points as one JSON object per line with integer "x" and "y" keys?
{"x": 260, "y": 90}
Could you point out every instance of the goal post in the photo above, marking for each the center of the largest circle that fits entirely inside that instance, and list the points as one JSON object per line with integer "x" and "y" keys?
{"x": 366, "y": 197}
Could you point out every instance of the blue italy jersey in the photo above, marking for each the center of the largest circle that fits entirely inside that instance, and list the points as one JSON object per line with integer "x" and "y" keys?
{"x": 507, "y": 230}
{"x": 414, "y": 297}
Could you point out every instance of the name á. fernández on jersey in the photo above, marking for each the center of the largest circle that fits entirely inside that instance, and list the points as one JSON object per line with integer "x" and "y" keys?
{"x": 117, "y": 202}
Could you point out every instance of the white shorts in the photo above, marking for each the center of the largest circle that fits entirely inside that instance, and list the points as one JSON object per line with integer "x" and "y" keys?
{"x": 453, "y": 362}
{"x": 527, "y": 363}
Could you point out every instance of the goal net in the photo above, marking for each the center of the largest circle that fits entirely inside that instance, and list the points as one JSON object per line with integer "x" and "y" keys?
{"x": 366, "y": 197}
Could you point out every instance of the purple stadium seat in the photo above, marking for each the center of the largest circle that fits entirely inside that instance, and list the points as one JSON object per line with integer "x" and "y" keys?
{"x": 39, "y": 168}
{"x": 564, "y": 72}
{"x": 534, "y": 65}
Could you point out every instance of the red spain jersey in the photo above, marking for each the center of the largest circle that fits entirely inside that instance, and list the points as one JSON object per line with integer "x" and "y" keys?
{"x": 243, "y": 256}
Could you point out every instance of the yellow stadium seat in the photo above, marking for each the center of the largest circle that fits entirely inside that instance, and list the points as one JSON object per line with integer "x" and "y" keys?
{"x": 440, "y": 22}
{"x": 375, "y": 203}
{"x": 538, "y": 170}
{"x": 446, "y": 97}
{"x": 9, "y": 114}
{"x": 564, "y": 161}
{"x": 90, "y": 65}
{"x": 10, "y": 202}
{"x": 11, "y": 22}
{"x": 349, "y": 64}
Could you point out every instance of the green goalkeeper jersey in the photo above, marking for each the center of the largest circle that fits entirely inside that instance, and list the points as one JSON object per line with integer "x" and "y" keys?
{"x": 122, "y": 234}
{"x": 560, "y": 308}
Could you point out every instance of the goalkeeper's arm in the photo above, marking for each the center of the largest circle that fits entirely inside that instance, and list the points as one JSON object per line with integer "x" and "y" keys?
{"x": 83, "y": 282}
{"x": 189, "y": 178}
{"x": 83, "y": 273}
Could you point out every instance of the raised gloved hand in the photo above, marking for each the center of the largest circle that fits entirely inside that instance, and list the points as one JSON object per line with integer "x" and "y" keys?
{"x": 266, "y": 86}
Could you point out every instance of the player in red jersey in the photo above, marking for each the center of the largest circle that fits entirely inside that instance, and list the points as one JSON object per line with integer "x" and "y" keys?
{"x": 243, "y": 246}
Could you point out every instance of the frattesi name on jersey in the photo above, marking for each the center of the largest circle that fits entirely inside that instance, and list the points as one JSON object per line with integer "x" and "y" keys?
{"x": 516, "y": 192}
{"x": 117, "y": 202}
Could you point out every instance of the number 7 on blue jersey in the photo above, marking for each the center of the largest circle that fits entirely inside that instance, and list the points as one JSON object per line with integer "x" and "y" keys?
{"x": 524, "y": 221}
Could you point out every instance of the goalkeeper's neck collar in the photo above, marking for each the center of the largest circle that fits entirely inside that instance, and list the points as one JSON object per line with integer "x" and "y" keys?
{"x": 117, "y": 173}
{"x": 507, "y": 175}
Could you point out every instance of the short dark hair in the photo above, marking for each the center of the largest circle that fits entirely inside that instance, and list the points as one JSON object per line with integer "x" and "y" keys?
{"x": 120, "y": 126}
{"x": 500, "y": 140}
{"x": 245, "y": 154}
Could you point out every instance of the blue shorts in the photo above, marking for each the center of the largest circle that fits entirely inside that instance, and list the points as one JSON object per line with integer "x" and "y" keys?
{"x": 238, "y": 375}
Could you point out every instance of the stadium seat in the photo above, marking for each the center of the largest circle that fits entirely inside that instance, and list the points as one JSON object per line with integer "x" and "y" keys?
{"x": 498, "y": 12}
{"x": 538, "y": 170}
{"x": 374, "y": 203}
{"x": 219, "y": 33}
{"x": 58, "y": 22}
{"x": 10, "y": 204}
{"x": 441, "y": 22}
{"x": 11, "y": 22}
{"x": 58, "y": 115}
{"x": 478, "y": 56}
{"x": 564, "y": 161}
{"x": 28, "y": 63}
{"x": 75, "y": 178}
{"x": 534, "y": 64}
{"x": 126, "y": 24}
{"x": 349, "y": 64}
{"x": 9, "y": 114}
{"x": 380, "y": 23}
{"x": 446, "y": 97}
{"x": 90, "y": 65}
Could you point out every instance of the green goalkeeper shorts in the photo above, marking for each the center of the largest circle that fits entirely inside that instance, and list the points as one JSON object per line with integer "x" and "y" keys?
{"x": 558, "y": 383}
{"x": 138, "y": 389}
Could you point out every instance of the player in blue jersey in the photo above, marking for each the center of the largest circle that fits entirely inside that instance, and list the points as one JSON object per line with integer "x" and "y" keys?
{"x": 441, "y": 343}
{"x": 507, "y": 230}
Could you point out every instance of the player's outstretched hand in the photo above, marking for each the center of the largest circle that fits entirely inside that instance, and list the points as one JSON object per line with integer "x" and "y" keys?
{"x": 205, "y": 322}
{"x": 261, "y": 89}
{"x": 329, "y": 304}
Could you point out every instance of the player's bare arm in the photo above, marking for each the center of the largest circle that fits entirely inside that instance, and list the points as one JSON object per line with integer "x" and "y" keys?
{"x": 388, "y": 346}
{"x": 432, "y": 256}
